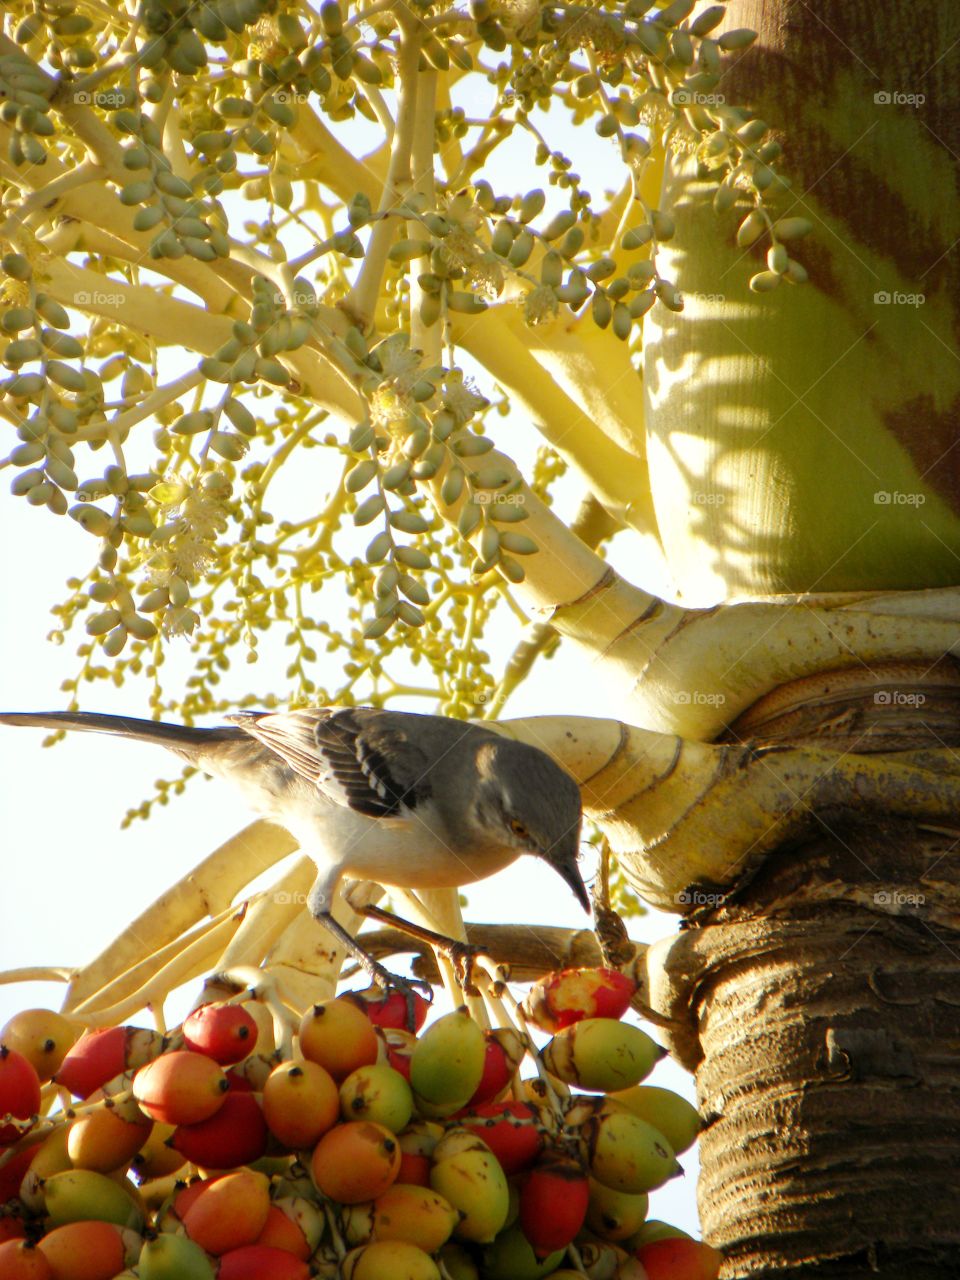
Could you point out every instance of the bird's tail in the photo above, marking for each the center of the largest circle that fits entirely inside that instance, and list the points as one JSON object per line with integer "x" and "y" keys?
{"x": 178, "y": 737}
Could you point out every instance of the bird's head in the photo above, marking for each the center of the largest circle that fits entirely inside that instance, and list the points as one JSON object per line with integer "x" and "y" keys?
{"x": 532, "y": 805}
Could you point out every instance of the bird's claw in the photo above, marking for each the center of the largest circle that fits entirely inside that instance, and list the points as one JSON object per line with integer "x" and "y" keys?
{"x": 463, "y": 956}
{"x": 407, "y": 988}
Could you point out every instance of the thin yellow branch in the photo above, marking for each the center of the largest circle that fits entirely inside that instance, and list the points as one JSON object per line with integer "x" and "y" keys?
{"x": 362, "y": 299}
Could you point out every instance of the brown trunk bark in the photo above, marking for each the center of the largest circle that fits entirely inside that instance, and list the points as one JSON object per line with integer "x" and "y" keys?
{"x": 825, "y": 993}
{"x": 828, "y": 1006}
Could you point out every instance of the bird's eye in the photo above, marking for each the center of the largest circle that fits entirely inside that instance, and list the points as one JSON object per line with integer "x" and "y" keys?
{"x": 518, "y": 829}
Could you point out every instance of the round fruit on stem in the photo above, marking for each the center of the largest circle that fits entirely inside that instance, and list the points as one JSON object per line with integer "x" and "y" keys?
{"x": 236, "y": 1134}
{"x": 104, "y": 1139}
{"x": 101, "y": 1055}
{"x": 355, "y": 1161}
{"x": 510, "y": 1130}
{"x": 627, "y": 1154}
{"x": 447, "y": 1064}
{"x": 390, "y": 1008}
{"x": 502, "y": 1057}
{"x": 223, "y": 1031}
{"x": 676, "y": 1118}
{"x": 567, "y": 996}
{"x": 22, "y": 1261}
{"x": 339, "y": 1037}
{"x": 171, "y": 1257}
{"x": 418, "y": 1215}
{"x": 600, "y": 1054}
{"x": 553, "y": 1203}
{"x": 42, "y": 1036}
{"x": 379, "y": 1093}
{"x": 675, "y": 1258}
{"x": 181, "y": 1088}
{"x": 300, "y": 1103}
{"x": 284, "y": 1228}
{"x": 229, "y": 1212}
{"x": 78, "y": 1195}
{"x": 467, "y": 1173}
{"x": 385, "y": 1258}
{"x": 615, "y": 1215}
{"x": 103, "y": 1248}
{"x": 19, "y": 1094}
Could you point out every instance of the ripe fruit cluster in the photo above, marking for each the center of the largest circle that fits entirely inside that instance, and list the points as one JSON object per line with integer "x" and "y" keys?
{"x": 373, "y": 1153}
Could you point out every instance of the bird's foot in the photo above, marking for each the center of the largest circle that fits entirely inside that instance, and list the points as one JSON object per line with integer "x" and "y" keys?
{"x": 378, "y": 974}
{"x": 616, "y": 948}
{"x": 463, "y": 957}
{"x": 407, "y": 987}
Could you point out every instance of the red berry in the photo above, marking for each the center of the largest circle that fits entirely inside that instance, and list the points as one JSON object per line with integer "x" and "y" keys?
{"x": 498, "y": 1070}
{"x": 182, "y": 1087}
{"x": 679, "y": 1258}
{"x": 389, "y": 1008}
{"x": 99, "y": 1056}
{"x": 261, "y": 1262}
{"x": 19, "y": 1092}
{"x": 280, "y": 1231}
{"x": 223, "y": 1031}
{"x": 510, "y": 1131}
{"x": 553, "y": 1203}
{"x": 568, "y": 995}
{"x": 235, "y": 1135}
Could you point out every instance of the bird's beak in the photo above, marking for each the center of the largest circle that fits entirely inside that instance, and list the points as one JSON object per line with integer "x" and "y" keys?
{"x": 571, "y": 873}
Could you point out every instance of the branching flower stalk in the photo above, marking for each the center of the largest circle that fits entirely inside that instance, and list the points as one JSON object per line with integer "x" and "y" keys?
{"x": 366, "y": 323}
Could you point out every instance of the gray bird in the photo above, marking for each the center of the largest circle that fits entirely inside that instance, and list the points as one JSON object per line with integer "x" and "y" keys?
{"x": 416, "y": 801}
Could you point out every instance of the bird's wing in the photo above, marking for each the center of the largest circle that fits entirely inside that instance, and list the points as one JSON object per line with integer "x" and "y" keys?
{"x": 366, "y": 762}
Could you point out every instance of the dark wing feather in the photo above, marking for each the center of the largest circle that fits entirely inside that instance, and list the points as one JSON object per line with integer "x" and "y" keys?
{"x": 362, "y": 759}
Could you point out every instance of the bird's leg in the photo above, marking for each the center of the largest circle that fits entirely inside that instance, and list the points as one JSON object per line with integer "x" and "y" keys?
{"x": 382, "y": 976}
{"x": 319, "y": 904}
{"x": 616, "y": 949}
{"x": 462, "y": 954}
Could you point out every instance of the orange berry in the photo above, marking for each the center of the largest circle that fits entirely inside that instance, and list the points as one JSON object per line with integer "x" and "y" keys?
{"x": 300, "y": 1103}
{"x": 180, "y": 1088}
{"x": 42, "y": 1036}
{"x": 229, "y": 1212}
{"x": 22, "y": 1261}
{"x": 339, "y": 1037}
{"x": 88, "y": 1250}
{"x": 356, "y": 1161}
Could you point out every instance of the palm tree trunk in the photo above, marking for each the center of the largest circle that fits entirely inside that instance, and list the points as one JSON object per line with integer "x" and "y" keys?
{"x": 825, "y": 992}
{"x": 819, "y": 999}
{"x": 828, "y": 1004}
